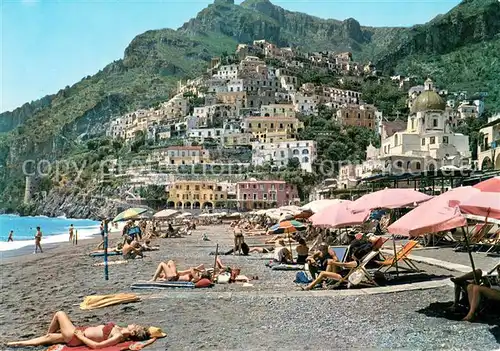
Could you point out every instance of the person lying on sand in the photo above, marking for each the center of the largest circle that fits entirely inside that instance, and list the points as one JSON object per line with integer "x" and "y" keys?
{"x": 168, "y": 272}
{"x": 131, "y": 249}
{"x": 62, "y": 331}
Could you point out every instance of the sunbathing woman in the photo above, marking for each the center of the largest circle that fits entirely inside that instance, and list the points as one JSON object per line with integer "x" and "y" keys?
{"x": 62, "y": 330}
{"x": 336, "y": 271}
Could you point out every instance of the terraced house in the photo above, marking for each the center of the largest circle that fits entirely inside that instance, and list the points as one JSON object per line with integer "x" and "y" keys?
{"x": 196, "y": 195}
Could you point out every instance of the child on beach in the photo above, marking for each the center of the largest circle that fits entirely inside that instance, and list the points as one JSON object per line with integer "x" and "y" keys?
{"x": 71, "y": 232}
{"x": 11, "y": 234}
{"x": 38, "y": 238}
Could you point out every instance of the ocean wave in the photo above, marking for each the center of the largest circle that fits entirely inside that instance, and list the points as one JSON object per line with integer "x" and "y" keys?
{"x": 49, "y": 239}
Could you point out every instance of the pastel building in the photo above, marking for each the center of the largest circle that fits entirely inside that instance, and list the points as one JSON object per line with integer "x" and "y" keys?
{"x": 488, "y": 150}
{"x": 268, "y": 129}
{"x": 255, "y": 194}
{"x": 196, "y": 194}
{"x": 280, "y": 153}
{"x": 427, "y": 143}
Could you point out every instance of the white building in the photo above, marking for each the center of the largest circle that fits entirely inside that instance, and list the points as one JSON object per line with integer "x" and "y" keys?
{"x": 280, "y": 153}
{"x": 227, "y": 72}
{"x": 305, "y": 104}
{"x": 427, "y": 143}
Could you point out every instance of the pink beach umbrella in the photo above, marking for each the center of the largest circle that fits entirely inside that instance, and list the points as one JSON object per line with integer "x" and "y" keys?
{"x": 483, "y": 205}
{"x": 434, "y": 215}
{"x": 338, "y": 215}
{"x": 389, "y": 199}
{"x": 491, "y": 185}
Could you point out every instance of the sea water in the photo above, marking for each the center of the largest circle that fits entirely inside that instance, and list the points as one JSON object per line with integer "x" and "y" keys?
{"x": 54, "y": 230}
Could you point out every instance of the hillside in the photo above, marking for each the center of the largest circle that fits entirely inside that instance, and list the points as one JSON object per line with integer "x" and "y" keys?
{"x": 458, "y": 49}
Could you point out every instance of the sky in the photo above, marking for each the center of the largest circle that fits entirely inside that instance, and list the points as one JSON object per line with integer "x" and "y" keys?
{"x": 48, "y": 44}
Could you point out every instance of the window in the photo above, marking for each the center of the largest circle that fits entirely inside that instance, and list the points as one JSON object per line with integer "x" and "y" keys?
{"x": 445, "y": 140}
{"x": 434, "y": 122}
{"x": 423, "y": 141}
{"x": 255, "y": 196}
{"x": 282, "y": 187}
{"x": 261, "y": 186}
{"x": 432, "y": 140}
{"x": 273, "y": 187}
{"x": 359, "y": 115}
{"x": 412, "y": 123}
{"x": 417, "y": 165}
{"x": 264, "y": 196}
{"x": 399, "y": 164}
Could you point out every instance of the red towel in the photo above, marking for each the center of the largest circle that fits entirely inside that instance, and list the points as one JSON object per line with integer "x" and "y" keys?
{"x": 119, "y": 347}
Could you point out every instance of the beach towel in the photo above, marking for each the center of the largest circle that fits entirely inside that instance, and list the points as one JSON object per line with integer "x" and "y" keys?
{"x": 111, "y": 263}
{"x": 101, "y": 253}
{"x": 127, "y": 345}
{"x": 288, "y": 267}
{"x": 162, "y": 285}
{"x": 99, "y": 301}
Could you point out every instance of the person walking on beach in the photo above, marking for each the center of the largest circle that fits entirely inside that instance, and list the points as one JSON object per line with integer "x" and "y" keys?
{"x": 38, "y": 238}
{"x": 11, "y": 234}
{"x": 71, "y": 229}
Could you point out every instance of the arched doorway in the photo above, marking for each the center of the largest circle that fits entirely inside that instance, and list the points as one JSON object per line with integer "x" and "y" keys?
{"x": 179, "y": 204}
{"x": 486, "y": 164}
{"x": 187, "y": 205}
{"x": 196, "y": 205}
{"x": 497, "y": 161}
{"x": 170, "y": 204}
{"x": 208, "y": 205}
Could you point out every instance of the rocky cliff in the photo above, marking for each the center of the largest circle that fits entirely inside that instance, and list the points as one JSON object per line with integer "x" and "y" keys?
{"x": 53, "y": 127}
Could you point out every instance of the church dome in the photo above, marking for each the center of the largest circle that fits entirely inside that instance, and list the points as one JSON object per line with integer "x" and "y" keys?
{"x": 428, "y": 100}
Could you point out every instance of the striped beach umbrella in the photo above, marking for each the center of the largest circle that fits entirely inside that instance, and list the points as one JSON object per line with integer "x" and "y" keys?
{"x": 287, "y": 227}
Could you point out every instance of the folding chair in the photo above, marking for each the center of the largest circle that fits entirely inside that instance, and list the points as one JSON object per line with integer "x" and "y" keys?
{"x": 360, "y": 269}
{"x": 401, "y": 255}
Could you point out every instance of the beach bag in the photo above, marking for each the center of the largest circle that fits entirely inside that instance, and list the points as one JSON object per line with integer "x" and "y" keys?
{"x": 356, "y": 277}
{"x": 302, "y": 278}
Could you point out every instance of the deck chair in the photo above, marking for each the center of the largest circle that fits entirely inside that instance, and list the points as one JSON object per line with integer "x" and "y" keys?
{"x": 340, "y": 251}
{"x": 401, "y": 256}
{"x": 477, "y": 235}
{"x": 360, "y": 269}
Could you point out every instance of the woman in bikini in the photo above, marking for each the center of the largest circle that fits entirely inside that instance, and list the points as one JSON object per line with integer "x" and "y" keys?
{"x": 168, "y": 272}
{"x": 62, "y": 330}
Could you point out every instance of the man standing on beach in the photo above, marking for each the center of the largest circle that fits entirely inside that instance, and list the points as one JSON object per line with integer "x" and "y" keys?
{"x": 71, "y": 232}
{"x": 38, "y": 238}
{"x": 11, "y": 234}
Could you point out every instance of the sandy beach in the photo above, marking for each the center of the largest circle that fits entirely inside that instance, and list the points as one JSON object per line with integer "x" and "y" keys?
{"x": 273, "y": 314}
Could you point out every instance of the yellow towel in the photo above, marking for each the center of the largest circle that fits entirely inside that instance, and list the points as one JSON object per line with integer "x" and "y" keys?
{"x": 99, "y": 301}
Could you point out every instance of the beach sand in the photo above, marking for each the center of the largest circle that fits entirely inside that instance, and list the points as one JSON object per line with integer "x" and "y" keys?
{"x": 264, "y": 316}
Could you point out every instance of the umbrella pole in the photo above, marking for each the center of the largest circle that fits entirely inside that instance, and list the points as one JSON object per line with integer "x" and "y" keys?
{"x": 466, "y": 237}
{"x": 395, "y": 254}
{"x": 106, "y": 275}
{"x": 215, "y": 262}
{"x": 290, "y": 244}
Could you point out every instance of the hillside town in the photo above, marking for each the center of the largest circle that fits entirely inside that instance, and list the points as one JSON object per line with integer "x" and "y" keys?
{"x": 246, "y": 110}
